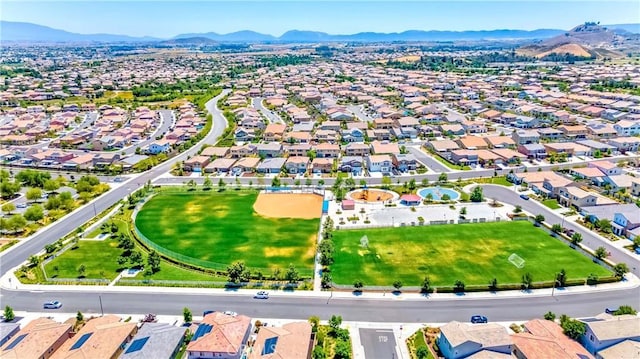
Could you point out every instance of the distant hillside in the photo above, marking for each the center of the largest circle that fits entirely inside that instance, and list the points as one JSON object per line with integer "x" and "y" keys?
{"x": 27, "y": 32}
{"x": 585, "y": 40}
{"x": 632, "y": 28}
{"x": 189, "y": 41}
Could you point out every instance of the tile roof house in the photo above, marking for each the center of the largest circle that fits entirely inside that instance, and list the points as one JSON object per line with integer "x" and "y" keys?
{"x": 38, "y": 339}
{"x": 220, "y": 336}
{"x": 625, "y": 349}
{"x": 102, "y": 337}
{"x": 461, "y": 340}
{"x": 155, "y": 340}
{"x": 606, "y": 330}
{"x": 291, "y": 341}
{"x": 545, "y": 339}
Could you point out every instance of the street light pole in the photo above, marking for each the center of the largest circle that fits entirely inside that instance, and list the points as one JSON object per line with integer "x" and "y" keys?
{"x": 101, "y": 310}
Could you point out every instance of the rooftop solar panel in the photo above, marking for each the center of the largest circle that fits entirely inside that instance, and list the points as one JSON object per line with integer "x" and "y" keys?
{"x": 137, "y": 345}
{"x": 15, "y": 342}
{"x": 81, "y": 341}
{"x": 270, "y": 346}
{"x": 202, "y": 330}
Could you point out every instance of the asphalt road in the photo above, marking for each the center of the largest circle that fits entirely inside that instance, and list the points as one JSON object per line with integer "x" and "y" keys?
{"x": 589, "y": 239}
{"x": 428, "y": 161}
{"x": 17, "y": 254}
{"x": 256, "y": 102}
{"x": 427, "y": 310}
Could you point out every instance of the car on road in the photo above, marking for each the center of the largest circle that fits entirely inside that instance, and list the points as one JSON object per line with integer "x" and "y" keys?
{"x": 54, "y": 304}
{"x": 230, "y": 313}
{"x": 262, "y": 295}
{"x": 21, "y": 205}
{"x": 610, "y": 310}
{"x": 524, "y": 196}
{"x": 477, "y": 319}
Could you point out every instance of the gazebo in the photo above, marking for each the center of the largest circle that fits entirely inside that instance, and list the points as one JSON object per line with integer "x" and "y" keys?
{"x": 410, "y": 199}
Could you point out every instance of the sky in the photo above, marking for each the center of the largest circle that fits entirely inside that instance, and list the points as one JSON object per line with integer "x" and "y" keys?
{"x": 166, "y": 19}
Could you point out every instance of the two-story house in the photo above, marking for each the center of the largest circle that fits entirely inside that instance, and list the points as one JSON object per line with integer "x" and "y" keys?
{"x": 606, "y": 330}
{"x": 351, "y": 164}
{"x": 297, "y": 164}
{"x": 379, "y": 163}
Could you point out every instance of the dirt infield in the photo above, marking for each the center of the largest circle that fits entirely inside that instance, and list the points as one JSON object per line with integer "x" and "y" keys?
{"x": 289, "y": 205}
{"x": 371, "y": 195}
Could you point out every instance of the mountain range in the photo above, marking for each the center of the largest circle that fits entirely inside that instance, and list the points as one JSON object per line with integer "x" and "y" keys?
{"x": 28, "y": 32}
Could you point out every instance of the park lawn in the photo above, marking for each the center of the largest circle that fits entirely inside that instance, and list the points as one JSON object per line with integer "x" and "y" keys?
{"x": 215, "y": 229}
{"x": 551, "y": 203}
{"x": 472, "y": 253}
{"x": 99, "y": 259}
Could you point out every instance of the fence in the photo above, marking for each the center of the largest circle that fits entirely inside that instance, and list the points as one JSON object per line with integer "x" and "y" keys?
{"x": 345, "y": 225}
{"x": 211, "y": 284}
{"x": 195, "y": 263}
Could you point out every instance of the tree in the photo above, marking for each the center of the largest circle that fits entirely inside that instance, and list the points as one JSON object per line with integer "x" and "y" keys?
{"x": 386, "y": 182}
{"x": 458, "y": 287}
{"x": 192, "y": 185}
{"x": 601, "y": 252}
{"x": 518, "y": 209}
{"x": 604, "y": 225}
{"x": 476, "y": 194}
{"x": 153, "y": 260}
{"x": 314, "y": 320}
{"x": 81, "y": 271}
{"x": 186, "y": 315}
{"x": 334, "y": 323}
{"x": 34, "y": 194}
{"x": 561, "y": 278}
{"x": 34, "y": 213}
{"x": 576, "y": 238}
{"x": 342, "y": 350}
{"x": 463, "y": 211}
{"x": 8, "y": 208}
{"x": 292, "y": 274}
{"x": 412, "y": 185}
{"x": 207, "y": 184}
{"x": 326, "y": 279}
{"x": 318, "y": 353}
{"x": 539, "y": 219}
{"x": 79, "y": 317}
{"x": 426, "y": 285}
{"x": 275, "y": 182}
{"x": 16, "y": 223}
{"x": 493, "y": 284}
{"x": 556, "y": 228}
{"x": 442, "y": 178}
{"x": 350, "y": 183}
{"x": 8, "y": 314}
{"x": 221, "y": 185}
{"x": 527, "y": 280}
{"x": 357, "y": 285}
{"x": 620, "y": 270}
{"x": 51, "y": 185}
{"x": 571, "y": 327}
{"x": 237, "y": 272}
{"x": 550, "y": 316}
{"x": 122, "y": 261}
{"x": 321, "y": 183}
{"x": 8, "y": 188}
{"x": 326, "y": 252}
{"x": 363, "y": 183}
{"x": 636, "y": 242}
{"x": 308, "y": 182}
{"x": 422, "y": 352}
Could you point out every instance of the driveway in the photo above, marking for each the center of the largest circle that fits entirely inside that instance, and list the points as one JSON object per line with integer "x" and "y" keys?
{"x": 428, "y": 161}
{"x": 378, "y": 343}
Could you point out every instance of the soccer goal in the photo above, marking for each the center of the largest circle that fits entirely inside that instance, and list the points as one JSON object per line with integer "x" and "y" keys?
{"x": 364, "y": 242}
{"x": 516, "y": 260}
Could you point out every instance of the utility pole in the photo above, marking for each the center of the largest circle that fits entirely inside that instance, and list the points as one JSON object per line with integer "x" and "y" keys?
{"x": 101, "y": 310}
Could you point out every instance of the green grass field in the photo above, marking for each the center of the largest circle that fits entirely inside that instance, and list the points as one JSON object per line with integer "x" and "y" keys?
{"x": 473, "y": 253}
{"x": 221, "y": 228}
{"x": 551, "y": 203}
{"x": 99, "y": 259}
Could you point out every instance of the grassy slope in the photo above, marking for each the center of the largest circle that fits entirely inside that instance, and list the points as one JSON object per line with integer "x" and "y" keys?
{"x": 473, "y": 253}
{"x": 222, "y": 228}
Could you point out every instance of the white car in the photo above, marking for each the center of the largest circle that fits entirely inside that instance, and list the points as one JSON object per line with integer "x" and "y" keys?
{"x": 262, "y": 295}
{"x": 52, "y": 305}
{"x": 230, "y": 313}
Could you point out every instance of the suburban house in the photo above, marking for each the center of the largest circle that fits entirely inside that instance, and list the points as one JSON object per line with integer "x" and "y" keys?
{"x": 379, "y": 163}
{"x": 196, "y": 163}
{"x": 274, "y": 132}
{"x": 525, "y": 137}
{"x": 571, "y": 196}
{"x": 327, "y": 150}
{"x": 158, "y": 146}
{"x": 533, "y": 151}
{"x": 625, "y": 144}
{"x": 321, "y": 165}
{"x": 292, "y": 340}
{"x": 627, "y": 128}
{"x": 155, "y": 340}
{"x": 220, "y": 336}
{"x": 301, "y": 149}
{"x": 353, "y": 135}
{"x": 606, "y": 167}
{"x": 606, "y": 330}
{"x": 271, "y": 165}
{"x": 443, "y": 147}
{"x": 297, "y": 164}
{"x": 473, "y": 143}
{"x": 245, "y": 165}
{"x": 545, "y": 339}
{"x": 8, "y": 331}
{"x": 461, "y": 340}
{"x": 357, "y": 149}
{"x": 626, "y": 223}
{"x": 625, "y": 349}
{"x": 102, "y": 337}
{"x": 351, "y": 164}
{"x": 269, "y": 150}
{"x": 405, "y": 162}
{"x": 38, "y": 339}
{"x": 220, "y": 165}
{"x": 464, "y": 157}
{"x": 243, "y": 151}
{"x": 575, "y": 132}
{"x": 213, "y": 151}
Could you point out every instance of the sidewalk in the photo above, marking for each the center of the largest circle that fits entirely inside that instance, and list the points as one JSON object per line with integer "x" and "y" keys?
{"x": 11, "y": 282}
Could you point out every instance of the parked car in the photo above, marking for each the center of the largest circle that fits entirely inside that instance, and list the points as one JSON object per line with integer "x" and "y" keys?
{"x": 476, "y": 319}
{"x": 230, "y": 313}
{"x": 52, "y": 305}
{"x": 262, "y": 295}
{"x": 21, "y": 205}
{"x": 524, "y": 196}
{"x": 610, "y": 310}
